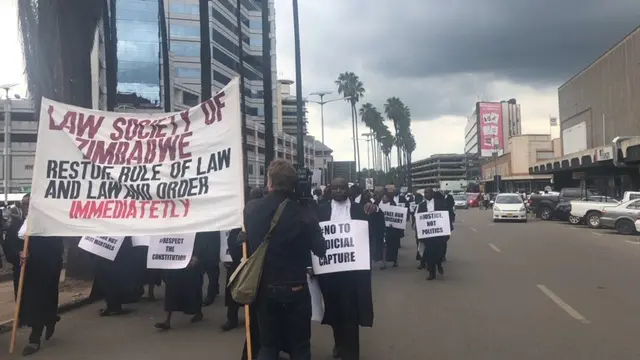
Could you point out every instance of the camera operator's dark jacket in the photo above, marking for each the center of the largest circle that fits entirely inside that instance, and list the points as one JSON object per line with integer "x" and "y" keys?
{"x": 296, "y": 233}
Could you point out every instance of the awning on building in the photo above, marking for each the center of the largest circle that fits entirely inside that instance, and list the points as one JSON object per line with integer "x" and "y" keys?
{"x": 590, "y": 157}
{"x": 519, "y": 178}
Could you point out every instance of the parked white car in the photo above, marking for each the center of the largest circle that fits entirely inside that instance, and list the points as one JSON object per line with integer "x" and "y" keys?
{"x": 509, "y": 207}
{"x": 589, "y": 210}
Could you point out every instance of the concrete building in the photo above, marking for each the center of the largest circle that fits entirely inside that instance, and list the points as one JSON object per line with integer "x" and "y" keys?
{"x": 490, "y": 126}
{"x": 21, "y": 132}
{"x": 597, "y": 105}
{"x": 512, "y": 168}
{"x": 601, "y": 101}
{"x": 287, "y": 109}
{"x": 441, "y": 171}
{"x": 343, "y": 169}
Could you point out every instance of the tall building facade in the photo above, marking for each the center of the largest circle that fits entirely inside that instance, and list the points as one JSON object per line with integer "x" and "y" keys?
{"x": 443, "y": 170}
{"x": 19, "y": 126}
{"x": 287, "y": 113}
{"x": 490, "y": 126}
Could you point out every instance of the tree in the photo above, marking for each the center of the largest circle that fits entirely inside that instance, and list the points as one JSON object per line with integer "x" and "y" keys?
{"x": 373, "y": 119}
{"x": 396, "y": 111}
{"x": 350, "y": 87}
{"x": 57, "y": 40}
{"x": 410, "y": 147}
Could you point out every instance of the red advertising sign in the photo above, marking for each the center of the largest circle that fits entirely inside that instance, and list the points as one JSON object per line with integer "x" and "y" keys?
{"x": 490, "y": 119}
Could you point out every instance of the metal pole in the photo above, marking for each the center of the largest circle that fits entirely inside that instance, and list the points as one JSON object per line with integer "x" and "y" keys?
{"x": 296, "y": 35}
{"x": 7, "y": 148}
{"x": 267, "y": 86}
{"x": 324, "y": 173}
{"x": 243, "y": 112}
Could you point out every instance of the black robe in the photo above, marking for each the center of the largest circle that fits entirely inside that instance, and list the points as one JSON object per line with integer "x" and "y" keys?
{"x": 376, "y": 239}
{"x": 183, "y": 287}
{"x": 439, "y": 204}
{"x": 39, "y": 305}
{"x": 119, "y": 281}
{"x": 347, "y": 295}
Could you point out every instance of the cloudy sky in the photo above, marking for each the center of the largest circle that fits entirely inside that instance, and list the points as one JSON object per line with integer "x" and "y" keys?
{"x": 439, "y": 57}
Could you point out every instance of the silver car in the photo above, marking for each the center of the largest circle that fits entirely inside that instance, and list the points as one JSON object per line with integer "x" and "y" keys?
{"x": 460, "y": 201}
{"x": 621, "y": 217}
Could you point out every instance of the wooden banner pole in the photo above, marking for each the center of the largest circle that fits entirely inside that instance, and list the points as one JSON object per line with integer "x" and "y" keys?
{"x": 247, "y": 315}
{"x": 16, "y": 313}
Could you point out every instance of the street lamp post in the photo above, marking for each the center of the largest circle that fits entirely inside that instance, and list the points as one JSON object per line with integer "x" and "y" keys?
{"x": 322, "y": 94}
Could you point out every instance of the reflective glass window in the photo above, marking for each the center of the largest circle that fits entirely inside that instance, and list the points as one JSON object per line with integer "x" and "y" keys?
{"x": 188, "y": 73}
{"x": 183, "y": 48}
{"x": 184, "y": 30}
{"x": 138, "y": 53}
{"x": 182, "y": 8}
{"x": 255, "y": 24}
{"x": 255, "y": 40}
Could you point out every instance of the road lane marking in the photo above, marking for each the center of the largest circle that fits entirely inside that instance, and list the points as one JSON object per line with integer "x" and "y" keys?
{"x": 495, "y": 248}
{"x": 473, "y": 229}
{"x": 563, "y": 305}
{"x": 597, "y": 234}
{"x": 633, "y": 242}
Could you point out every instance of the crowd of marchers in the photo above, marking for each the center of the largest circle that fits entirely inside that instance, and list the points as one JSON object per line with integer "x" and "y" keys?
{"x": 281, "y": 313}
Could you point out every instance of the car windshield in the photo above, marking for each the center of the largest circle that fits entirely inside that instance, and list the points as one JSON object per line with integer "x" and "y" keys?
{"x": 460, "y": 198}
{"x": 509, "y": 199}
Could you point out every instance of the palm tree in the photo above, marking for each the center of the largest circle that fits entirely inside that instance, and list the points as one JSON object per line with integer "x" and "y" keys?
{"x": 410, "y": 147}
{"x": 395, "y": 110}
{"x": 386, "y": 144}
{"x": 57, "y": 40}
{"x": 373, "y": 119}
{"x": 350, "y": 87}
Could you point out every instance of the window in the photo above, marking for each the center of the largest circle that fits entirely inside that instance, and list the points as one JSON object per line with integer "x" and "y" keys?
{"x": 182, "y": 8}
{"x": 635, "y": 205}
{"x": 250, "y": 169}
{"x": 255, "y": 40}
{"x": 508, "y": 199}
{"x": 221, "y": 78}
{"x": 182, "y": 30}
{"x": 189, "y": 98}
{"x": 260, "y": 110}
{"x": 182, "y": 48}
{"x": 255, "y": 24}
{"x": 544, "y": 155}
{"x": 188, "y": 73}
{"x": 261, "y": 170}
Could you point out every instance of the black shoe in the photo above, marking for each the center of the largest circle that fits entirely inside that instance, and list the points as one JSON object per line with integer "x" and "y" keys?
{"x": 50, "y": 329}
{"x": 336, "y": 353}
{"x": 30, "y": 349}
{"x": 197, "y": 318}
{"x": 440, "y": 270}
{"x": 115, "y": 312}
{"x": 422, "y": 266}
{"x": 395, "y": 264}
{"x": 164, "y": 326}
{"x": 229, "y": 325}
{"x": 431, "y": 276}
{"x": 208, "y": 301}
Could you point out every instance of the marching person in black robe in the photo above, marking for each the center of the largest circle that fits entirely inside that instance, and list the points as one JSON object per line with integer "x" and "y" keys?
{"x": 148, "y": 277}
{"x": 118, "y": 281}
{"x": 347, "y": 295}
{"x": 235, "y": 251}
{"x": 392, "y": 237}
{"x": 434, "y": 247}
{"x": 183, "y": 287}
{"x": 211, "y": 265}
{"x": 39, "y": 303}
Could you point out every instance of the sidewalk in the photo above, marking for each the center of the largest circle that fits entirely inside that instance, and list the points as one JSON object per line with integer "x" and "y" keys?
{"x": 71, "y": 292}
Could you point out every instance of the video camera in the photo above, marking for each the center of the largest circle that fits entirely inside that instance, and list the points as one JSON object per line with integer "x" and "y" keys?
{"x": 303, "y": 185}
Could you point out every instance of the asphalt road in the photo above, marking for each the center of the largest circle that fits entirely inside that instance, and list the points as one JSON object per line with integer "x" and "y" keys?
{"x": 541, "y": 290}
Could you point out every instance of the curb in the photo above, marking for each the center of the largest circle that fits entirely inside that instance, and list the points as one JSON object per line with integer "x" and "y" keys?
{"x": 76, "y": 304}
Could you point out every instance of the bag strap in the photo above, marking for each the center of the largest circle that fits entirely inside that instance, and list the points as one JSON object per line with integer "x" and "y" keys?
{"x": 276, "y": 219}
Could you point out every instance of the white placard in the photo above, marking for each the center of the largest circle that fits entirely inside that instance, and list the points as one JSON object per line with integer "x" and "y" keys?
{"x": 225, "y": 255}
{"x": 368, "y": 183}
{"x": 347, "y": 247}
{"x": 170, "y": 251}
{"x": 140, "y": 240}
{"x": 317, "y": 302}
{"x": 128, "y": 174}
{"x": 432, "y": 224}
{"x": 104, "y": 246}
{"x": 394, "y": 216}
{"x": 413, "y": 206}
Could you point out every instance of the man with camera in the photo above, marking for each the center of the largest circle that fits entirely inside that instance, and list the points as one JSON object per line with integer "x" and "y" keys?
{"x": 283, "y": 304}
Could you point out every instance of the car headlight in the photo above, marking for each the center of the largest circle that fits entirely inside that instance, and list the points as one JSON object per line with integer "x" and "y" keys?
{"x": 495, "y": 208}
{"x": 523, "y": 209}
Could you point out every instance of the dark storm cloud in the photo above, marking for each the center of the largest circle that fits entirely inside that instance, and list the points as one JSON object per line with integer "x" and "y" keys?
{"x": 440, "y": 56}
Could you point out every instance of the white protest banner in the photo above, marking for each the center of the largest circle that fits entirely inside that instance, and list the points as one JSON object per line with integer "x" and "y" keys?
{"x": 140, "y": 240}
{"x": 225, "y": 256}
{"x": 347, "y": 247}
{"x": 104, "y": 246}
{"x": 138, "y": 173}
{"x": 412, "y": 207}
{"x": 394, "y": 216}
{"x": 432, "y": 224}
{"x": 170, "y": 251}
{"x": 317, "y": 302}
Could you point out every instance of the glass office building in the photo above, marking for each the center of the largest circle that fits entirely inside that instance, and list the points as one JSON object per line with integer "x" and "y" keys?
{"x": 138, "y": 41}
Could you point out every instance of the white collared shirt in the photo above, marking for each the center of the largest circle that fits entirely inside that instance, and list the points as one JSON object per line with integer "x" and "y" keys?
{"x": 430, "y": 205}
{"x": 23, "y": 230}
{"x": 340, "y": 210}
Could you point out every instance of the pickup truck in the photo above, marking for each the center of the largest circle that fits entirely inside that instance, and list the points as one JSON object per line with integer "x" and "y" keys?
{"x": 590, "y": 210}
{"x": 545, "y": 206}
